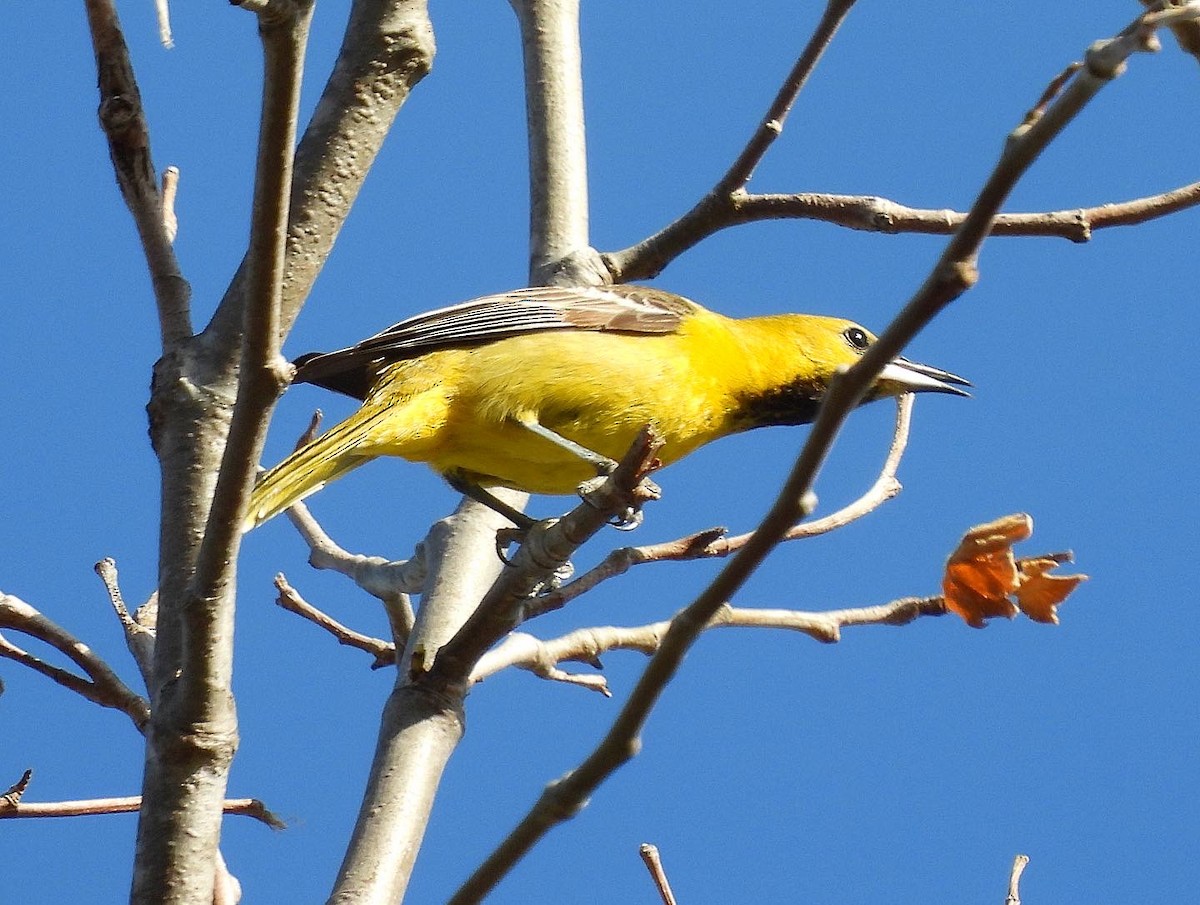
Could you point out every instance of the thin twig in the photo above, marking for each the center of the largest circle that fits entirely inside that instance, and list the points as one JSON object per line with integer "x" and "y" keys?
{"x": 170, "y": 189}
{"x": 289, "y": 598}
{"x": 771, "y": 126}
{"x": 953, "y": 274}
{"x": 139, "y": 638}
{"x": 653, "y": 864}
{"x": 1014, "y": 880}
{"x": 391, "y": 581}
{"x": 241, "y": 807}
{"x": 587, "y": 645}
{"x": 163, "y": 13}
{"x": 650, "y": 256}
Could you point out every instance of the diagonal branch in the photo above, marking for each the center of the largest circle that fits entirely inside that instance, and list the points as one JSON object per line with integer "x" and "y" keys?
{"x": 386, "y": 49}
{"x": 101, "y": 685}
{"x": 771, "y": 127}
{"x": 954, "y": 272}
{"x": 649, "y": 257}
{"x": 289, "y": 599}
{"x": 543, "y": 552}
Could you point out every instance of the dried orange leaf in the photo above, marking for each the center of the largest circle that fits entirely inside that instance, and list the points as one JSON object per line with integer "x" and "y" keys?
{"x": 1040, "y": 593}
{"x": 982, "y": 576}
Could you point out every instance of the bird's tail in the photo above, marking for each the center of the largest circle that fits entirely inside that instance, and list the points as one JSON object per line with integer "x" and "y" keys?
{"x": 328, "y": 457}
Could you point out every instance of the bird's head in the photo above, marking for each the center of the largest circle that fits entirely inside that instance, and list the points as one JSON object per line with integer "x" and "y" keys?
{"x": 801, "y": 353}
{"x": 840, "y": 343}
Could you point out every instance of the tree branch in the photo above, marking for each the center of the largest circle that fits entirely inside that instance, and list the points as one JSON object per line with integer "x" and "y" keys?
{"x": 558, "y": 213}
{"x": 653, "y": 862}
{"x": 194, "y": 733}
{"x": 390, "y": 581}
{"x": 1187, "y": 33}
{"x": 289, "y": 598}
{"x": 102, "y": 686}
{"x": 124, "y": 123}
{"x": 587, "y": 645}
{"x": 139, "y": 629}
{"x": 423, "y": 720}
{"x": 869, "y": 213}
{"x": 543, "y": 553}
{"x": 241, "y": 807}
{"x": 1014, "y": 880}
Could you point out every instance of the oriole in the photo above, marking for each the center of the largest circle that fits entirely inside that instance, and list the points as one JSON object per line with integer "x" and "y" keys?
{"x": 532, "y": 388}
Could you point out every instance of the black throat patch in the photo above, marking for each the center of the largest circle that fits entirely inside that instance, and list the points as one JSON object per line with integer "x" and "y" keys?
{"x": 793, "y": 403}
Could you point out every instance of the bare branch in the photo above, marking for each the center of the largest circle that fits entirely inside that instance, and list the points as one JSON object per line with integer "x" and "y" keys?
{"x": 240, "y": 807}
{"x": 587, "y": 645}
{"x": 139, "y": 637}
{"x": 1014, "y": 880}
{"x": 771, "y": 126}
{"x": 163, "y": 13}
{"x": 124, "y": 123}
{"x": 953, "y": 274}
{"x": 544, "y": 551}
{"x": 727, "y": 205}
{"x": 180, "y": 820}
{"x": 170, "y": 188}
{"x": 558, "y": 213}
{"x": 391, "y": 581}
{"x": 423, "y": 718}
{"x": 868, "y": 213}
{"x": 1187, "y": 34}
{"x": 289, "y": 598}
{"x": 653, "y": 864}
{"x": 102, "y": 686}
{"x": 283, "y": 27}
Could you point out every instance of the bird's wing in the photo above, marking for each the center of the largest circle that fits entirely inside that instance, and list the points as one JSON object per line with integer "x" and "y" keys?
{"x": 623, "y": 309}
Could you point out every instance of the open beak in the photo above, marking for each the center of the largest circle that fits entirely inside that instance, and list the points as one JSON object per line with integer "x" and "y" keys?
{"x": 904, "y": 376}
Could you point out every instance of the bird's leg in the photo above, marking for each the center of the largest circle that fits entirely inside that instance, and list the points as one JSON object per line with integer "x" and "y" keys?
{"x": 603, "y": 464}
{"x": 468, "y": 489}
{"x": 625, "y": 521}
{"x": 506, "y": 536}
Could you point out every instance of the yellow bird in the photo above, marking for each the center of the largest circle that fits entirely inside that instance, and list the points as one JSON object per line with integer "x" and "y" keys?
{"x": 538, "y": 388}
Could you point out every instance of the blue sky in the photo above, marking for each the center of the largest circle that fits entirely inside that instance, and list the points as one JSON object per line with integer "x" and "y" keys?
{"x": 903, "y": 764}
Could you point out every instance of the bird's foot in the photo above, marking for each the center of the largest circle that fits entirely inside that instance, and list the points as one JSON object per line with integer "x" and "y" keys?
{"x": 627, "y": 518}
{"x": 508, "y": 537}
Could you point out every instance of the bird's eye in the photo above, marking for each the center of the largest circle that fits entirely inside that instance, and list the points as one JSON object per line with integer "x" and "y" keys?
{"x": 857, "y": 337}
